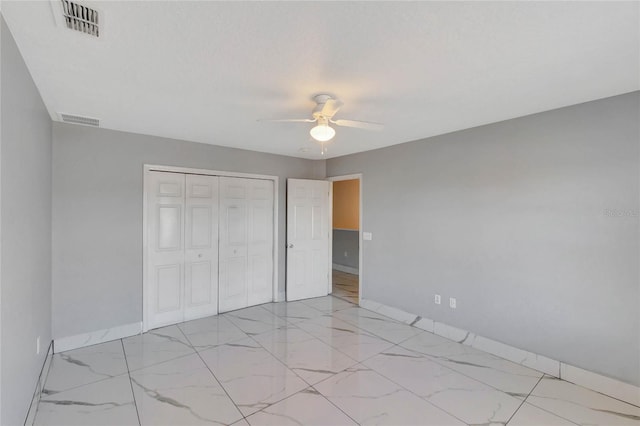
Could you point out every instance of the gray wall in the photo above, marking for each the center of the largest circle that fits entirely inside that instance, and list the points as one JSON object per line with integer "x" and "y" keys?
{"x": 26, "y": 232}
{"x": 510, "y": 218}
{"x": 345, "y": 248}
{"x": 97, "y": 216}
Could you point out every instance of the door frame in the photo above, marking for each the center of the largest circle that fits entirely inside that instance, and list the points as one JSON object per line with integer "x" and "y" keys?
{"x": 360, "y": 262}
{"x": 147, "y": 168}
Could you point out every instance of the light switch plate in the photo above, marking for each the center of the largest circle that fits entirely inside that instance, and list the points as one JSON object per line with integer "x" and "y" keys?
{"x": 367, "y": 236}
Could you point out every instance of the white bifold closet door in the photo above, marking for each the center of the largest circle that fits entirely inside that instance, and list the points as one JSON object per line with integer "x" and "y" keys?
{"x": 182, "y": 248}
{"x": 246, "y": 242}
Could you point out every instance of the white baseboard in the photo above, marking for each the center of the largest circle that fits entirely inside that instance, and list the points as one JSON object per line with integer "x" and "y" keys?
{"x": 95, "y": 337}
{"x": 389, "y": 311}
{"x": 425, "y": 324}
{"x": 597, "y": 382}
{"x": 603, "y": 384}
{"x": 347, "y": 269}
{"x": 37, "y": 394}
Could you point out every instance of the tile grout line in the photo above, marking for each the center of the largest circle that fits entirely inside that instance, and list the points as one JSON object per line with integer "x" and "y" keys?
{"x": 154, "y": 333}
{"x": 325, "y": 343}
{"x": 385, "y": 318}
{"x": 287, "y": 368}
{"x": 374, "y": 333}
{"x": 524, "y": 400}
{"x": 436, "y": 358}
{"x": 300, "y": 377}
{"x": 496, "y": 356}
{"x": 312, "y": 386}
{"x": 412, "y": 392}
{"x": 591, "y": 390}
{"x": 355, "y": 305}
{"x": 341, "y": 297}
{"x": 319, "y": 394}
{"x": 331, "y": 402}
{"x": 540, "y": 408}
{"x": 367, "y": 332}
{"x": 40, "y": 386}
{"x": 89, "y": 383}
{"x": 283, "y": 363}
{"x": 427, "y": 357}
{"x": 468, "y": 377}
{"x": 332, "y": 347}
{"x": 213, "y": 375}
{"x": 438, "y": 361}
{"x": 133, "y": 394}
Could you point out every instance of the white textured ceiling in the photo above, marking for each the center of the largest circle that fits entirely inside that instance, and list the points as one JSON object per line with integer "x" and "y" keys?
{"x": 207, "y": 71}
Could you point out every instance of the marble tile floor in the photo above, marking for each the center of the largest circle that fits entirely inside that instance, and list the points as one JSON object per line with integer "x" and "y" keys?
{"x": 345, "y": 286}
{"x": 320, "y": 361}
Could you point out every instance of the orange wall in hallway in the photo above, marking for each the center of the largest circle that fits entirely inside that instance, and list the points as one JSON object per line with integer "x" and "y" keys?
{"x": 346, "y": 204}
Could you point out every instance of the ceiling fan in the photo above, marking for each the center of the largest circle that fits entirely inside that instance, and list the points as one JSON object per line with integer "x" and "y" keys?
{"x": 326, "y": 107}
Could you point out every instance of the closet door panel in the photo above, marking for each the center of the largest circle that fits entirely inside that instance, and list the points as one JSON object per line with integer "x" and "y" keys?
{"x": 200, "y": 289}
{"x": 260, "y": 241}
{"x": 169, "y": 288}
{"x": 165, "y": 263}
{"x": 201, "y": 246}
{"x": 233, "y": 244}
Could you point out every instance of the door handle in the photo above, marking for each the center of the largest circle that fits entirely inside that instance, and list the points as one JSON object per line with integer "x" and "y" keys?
{"x": 289, "y": 245}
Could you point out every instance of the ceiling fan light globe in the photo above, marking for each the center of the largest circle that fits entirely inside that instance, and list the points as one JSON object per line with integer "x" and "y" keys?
{"x": 322, "y": 133}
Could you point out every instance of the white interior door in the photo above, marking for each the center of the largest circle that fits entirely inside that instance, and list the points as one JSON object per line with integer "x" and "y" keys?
{"x": 201, "y": 247}
{"x": 165, "y": 262}
{"x": 260, "y": 241}
{"x": 233, "y": 244}
{"x": 307, "y": 238}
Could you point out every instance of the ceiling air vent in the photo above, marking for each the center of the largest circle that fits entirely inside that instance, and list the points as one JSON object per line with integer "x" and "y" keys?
{"x": 77, "y": 119}
{"x": 80, "y": 18}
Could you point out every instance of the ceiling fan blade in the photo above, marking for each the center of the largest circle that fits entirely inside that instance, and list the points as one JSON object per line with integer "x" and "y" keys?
{"x": 366, "y": 125}
{"x": 331, "y": 107}
{"x": 289, "y": 120}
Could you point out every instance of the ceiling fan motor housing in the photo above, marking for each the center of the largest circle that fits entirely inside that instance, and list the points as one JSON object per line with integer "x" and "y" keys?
{"x": 320, "y": 101}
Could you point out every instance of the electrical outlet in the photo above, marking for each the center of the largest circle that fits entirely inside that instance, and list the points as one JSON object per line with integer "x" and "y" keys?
{"x": 346, "y": 254}
{"x": 367, "y": 236}
{"x": 436, "y": 299}
{"x": 452, "y": 302}
{"x": 38, "y": 345}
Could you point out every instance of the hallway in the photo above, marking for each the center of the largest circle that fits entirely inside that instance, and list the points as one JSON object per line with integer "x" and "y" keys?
{"x": 345, "y": 286}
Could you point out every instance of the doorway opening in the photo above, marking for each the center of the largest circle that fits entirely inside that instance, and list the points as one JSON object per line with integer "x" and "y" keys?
{"x": 345, "y": 242}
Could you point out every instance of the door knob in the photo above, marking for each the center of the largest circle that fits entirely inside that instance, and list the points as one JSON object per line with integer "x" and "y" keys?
{"x": 290, "y": 245}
